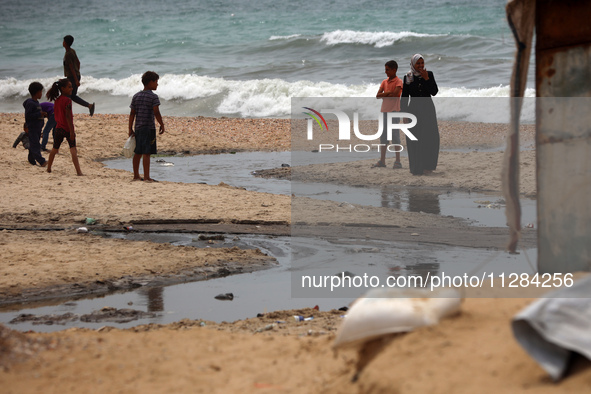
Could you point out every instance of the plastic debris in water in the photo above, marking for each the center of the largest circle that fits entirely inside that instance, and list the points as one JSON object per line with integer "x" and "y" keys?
{"x": 225, "y": 297}
{"x": 164, "y": 163}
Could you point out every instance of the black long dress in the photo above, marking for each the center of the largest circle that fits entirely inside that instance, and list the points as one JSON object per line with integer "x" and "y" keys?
{"x": 423, "y": 154}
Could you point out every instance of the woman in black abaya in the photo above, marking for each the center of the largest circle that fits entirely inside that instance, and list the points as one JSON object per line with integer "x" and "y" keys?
{"x": 419, "y": 85}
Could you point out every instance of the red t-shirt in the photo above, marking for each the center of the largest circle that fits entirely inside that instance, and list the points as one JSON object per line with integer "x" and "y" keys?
{"x": 391, "y": 104}
{"x": 62, "y": 110}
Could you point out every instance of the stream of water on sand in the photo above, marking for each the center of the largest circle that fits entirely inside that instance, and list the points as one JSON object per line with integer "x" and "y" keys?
{"x": 269, "y": 290}
{"x": 236, "y": 170}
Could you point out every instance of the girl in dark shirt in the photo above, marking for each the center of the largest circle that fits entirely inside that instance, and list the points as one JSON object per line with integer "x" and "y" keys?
{"x": 419, "y": 85}
{"x": 60, "y": 92}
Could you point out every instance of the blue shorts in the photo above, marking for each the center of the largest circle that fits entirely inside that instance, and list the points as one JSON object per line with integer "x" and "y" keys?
{"x": 145, "y": 141}
{"x": 395, "y": 132}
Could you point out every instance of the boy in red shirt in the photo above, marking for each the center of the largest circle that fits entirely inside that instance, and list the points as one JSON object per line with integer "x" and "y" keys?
{"x": 390, "y": 92}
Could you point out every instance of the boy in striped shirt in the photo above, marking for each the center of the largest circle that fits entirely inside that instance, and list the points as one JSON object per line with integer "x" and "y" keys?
{"x": 144, "y": 108}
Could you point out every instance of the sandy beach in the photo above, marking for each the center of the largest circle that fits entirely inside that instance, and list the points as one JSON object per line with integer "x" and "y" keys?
{"x": 42, "y": 253}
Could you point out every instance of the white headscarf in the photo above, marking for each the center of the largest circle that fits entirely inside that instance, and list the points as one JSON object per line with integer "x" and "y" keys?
{"x": 410, "y": 76}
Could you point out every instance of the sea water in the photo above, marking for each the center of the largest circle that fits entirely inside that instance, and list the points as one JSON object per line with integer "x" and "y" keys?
{"x": 248, "y": 59}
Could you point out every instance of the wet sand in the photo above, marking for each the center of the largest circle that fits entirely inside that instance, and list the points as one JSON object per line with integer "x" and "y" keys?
{"x": 188, "y": 357}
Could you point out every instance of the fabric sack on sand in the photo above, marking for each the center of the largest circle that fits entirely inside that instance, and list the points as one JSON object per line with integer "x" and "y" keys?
{"x": 390, "y": 311}
{"x": 552, "y": 328}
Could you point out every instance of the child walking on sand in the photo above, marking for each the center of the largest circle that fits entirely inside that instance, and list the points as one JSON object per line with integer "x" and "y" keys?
{"x": 144, "y": 108}
{"x": 49, "y": 125}
{"x": 390, "y": 91}
{"x": 60, "y": 92}
{"x": 34, "y": 123}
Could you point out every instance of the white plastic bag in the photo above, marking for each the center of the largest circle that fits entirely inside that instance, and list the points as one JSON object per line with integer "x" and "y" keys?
{"x": 129, "y": 147}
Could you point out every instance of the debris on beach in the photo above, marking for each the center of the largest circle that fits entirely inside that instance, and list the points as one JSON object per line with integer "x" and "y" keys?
{"x": 217, "y": 237}
{"x": 224, "y": 297}
{"x": 107, "y": 314}
{"x": 268, "y": 327}
{"x": 45, "y": 319}
{"x": 114, "y": 315}
{"x": 500, "y": 203}
{"x": 277, "y": 173}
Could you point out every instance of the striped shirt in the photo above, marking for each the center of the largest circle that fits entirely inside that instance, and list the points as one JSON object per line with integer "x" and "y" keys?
{"x": 143, "y": 104}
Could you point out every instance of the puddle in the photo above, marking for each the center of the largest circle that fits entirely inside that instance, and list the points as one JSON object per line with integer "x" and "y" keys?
{"x": 270, "y": 290}
{"x": 236, "y": 170}
{"x": 232, "y": 169}
{"x": 480, "y": 209}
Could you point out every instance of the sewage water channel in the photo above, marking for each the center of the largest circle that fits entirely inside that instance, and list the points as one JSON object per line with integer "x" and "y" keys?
{"x": 270, "y": 290}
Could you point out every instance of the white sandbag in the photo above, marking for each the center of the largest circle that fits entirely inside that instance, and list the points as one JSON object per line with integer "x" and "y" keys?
{"x": 390, "y": 311}
{"x": 129, "y": 147}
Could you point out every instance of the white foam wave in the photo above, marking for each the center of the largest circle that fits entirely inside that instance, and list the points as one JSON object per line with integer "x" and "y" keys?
{"x": 14, "y": 88}
{"x": 489, "y": 105}
{"x": 274, "y": 38}
{"x": 495, "y": 91}
{"x": 171, "y": 87}
{"x": 252, "y": 98}
{"x": 377, "y": 39}
{"x": 272, "y": 97}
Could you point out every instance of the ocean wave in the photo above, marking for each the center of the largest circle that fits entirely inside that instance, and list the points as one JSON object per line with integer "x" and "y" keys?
{"x": 274, "y": 38}
{"x": 251, "y": 98}
{"x": 377, "y": 39}
{"x": 495, "y": 91}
